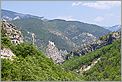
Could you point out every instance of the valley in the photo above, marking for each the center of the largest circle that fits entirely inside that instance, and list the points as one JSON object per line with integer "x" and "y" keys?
{"x": 33, "y": 48}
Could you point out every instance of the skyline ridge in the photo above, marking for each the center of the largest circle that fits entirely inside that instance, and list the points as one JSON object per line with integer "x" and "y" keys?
{"x": 42, "y": 17}
{"x": 103, "y": 13}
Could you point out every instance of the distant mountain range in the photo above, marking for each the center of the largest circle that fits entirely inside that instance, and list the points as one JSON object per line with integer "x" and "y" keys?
{"x": 97, "y": 60}
{"x": 102, "y": 64}
{"x": 114, "y": 28}
{"x": 10, "y": 15}
{"x": 67, "y": 35}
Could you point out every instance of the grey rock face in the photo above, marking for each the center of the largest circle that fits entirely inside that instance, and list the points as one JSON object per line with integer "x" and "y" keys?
{"x": 6, "y": 53}
{"x": 12, "y": 32}
{"x": 53, "y": 53}
{"x": 14, "y": 35}
{"x": 97, "y": 44}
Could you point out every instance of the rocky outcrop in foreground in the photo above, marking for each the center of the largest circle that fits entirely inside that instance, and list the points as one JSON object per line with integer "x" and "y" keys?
{"x": 14, "y": 35}
{"x": 6, "y": 53}
{"x": 12, "y": 32}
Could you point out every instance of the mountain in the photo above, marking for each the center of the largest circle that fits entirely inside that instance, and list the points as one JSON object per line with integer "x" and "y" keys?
{"x": 114, "y": 28}
{"x": 70, "y": 34}
{"x": 67, "y": 35}
{"x": 99, "y": 43}
{"x": 24, "y": 62}
{"x": 10, "y": 15}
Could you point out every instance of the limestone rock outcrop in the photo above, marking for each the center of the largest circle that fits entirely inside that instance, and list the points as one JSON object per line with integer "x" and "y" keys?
{"x": 12, "y": 32}
{"x": 106, "y": 40}
{"x": 53, "y": 53}
{"x": 6, "y": 53}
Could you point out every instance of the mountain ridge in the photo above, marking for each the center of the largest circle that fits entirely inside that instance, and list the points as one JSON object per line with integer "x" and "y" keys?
{"x": 65, "y": 29}
{"x": 11, "y": 15}
{"x": 32, "y": 64}
{"x": 114, "y": 28}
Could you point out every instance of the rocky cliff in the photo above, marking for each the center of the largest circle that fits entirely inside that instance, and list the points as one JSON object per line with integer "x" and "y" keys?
{"x": 6, "y": 53}
{"x": 9, "y": 31}
{"x": 53, "y": 53}
{"x": 12, "y": 32}
{"x": 102, "y": 41}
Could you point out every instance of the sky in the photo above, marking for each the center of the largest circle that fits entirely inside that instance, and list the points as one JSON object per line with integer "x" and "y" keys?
{"x": 103, "y": 13}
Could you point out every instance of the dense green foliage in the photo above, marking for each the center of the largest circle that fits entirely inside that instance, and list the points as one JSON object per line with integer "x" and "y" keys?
{"x": 77, "y": 62}
{"x": 31, "y": 64}
{"x": 5, "y": 41}
{"x": 34, "y": 68}
{"x": 25, "y": 49}
{"x": 108, "y": 68}
{"x": 105, "y": 36}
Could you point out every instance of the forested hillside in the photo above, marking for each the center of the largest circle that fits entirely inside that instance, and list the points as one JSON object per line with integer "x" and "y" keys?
{"x": 72, "y": 34}
{"x": 31, "y": 64}
{"x": 108, "y": 68}
{"x": 36, "y": 49}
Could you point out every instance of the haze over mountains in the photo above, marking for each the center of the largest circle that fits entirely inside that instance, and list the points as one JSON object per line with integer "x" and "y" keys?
{"x": 114, "y": 28}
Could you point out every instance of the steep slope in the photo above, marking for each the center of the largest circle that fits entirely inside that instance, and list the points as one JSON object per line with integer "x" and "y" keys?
{"x": 73, "y": 28}
{"x": 107, "y": 68}
{"x": 43, "y": 35}
{"x": 70, "y": 33}
{"x": 97, "y": 44}
{"x": 32, "y": 64}
{"x": 9, "y": 35}
{"x": 29, "y": 63}
{"x": 11, "y": 31}
{"x": 54, "y": 53}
